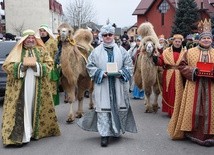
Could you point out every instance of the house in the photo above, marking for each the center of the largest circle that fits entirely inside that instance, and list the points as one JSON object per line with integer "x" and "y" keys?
{"x": 132, "y": 31}
{"x": 30, "y": 14}
{"x": 161, "y": 13}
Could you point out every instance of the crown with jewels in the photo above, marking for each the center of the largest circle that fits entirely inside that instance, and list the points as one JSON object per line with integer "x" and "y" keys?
{"x": 204, "y": 28}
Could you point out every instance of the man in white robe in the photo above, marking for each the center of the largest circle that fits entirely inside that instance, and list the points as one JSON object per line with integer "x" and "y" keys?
{"x": 112, "y": 115}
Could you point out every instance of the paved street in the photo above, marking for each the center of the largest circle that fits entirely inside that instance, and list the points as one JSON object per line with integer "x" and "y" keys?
{"x": 151, "y": 139}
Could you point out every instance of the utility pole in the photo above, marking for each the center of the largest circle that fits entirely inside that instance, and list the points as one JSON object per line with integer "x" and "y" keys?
{"x": 79, "y": 16}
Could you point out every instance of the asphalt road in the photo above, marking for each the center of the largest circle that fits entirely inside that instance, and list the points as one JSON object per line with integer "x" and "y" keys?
{"x": 151, "y": 139}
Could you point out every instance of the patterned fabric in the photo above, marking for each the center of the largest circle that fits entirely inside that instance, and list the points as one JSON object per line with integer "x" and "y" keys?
{"x": 102, "y": 122}
{"x": 172, "y": 79}
{"x": 197, "y": 94}
{"x": 51, "y": 47}
{"x": 113, "y": 114}
{"x": 44, "y": 117}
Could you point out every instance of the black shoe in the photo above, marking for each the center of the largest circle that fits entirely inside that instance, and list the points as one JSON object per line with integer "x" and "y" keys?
{"x": 86, "y": 94}
{"x": 15, "y": 145}
{"x": 104, "y": 141}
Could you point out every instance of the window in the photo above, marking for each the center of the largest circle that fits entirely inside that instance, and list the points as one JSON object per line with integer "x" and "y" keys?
{"x": 163, "y": 8}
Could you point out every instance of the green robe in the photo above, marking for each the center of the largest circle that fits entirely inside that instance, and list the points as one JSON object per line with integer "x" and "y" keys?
{"x": 51, "y": 46}
{"x": 44, "y": 117}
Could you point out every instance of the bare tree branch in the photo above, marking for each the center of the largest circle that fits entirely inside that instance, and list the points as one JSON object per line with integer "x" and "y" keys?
{"x": 79, "y": 12}
{"x": 18, "y": 28}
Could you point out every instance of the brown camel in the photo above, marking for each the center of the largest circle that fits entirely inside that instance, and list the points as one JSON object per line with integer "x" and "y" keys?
{"x": 75, "y": 79}
{"x": 147, "y": 76}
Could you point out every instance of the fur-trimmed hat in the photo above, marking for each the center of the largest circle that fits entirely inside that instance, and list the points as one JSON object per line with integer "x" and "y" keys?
{"x": 178, "y": 36}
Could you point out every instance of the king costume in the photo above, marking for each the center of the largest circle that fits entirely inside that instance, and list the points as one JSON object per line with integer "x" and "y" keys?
{"x": 113, "y": 115}
{"x": 173, "y": 83}
{"x": 195, "y": 114}
{"x": 51, "y": 46}
{"x": 28, "y": 110}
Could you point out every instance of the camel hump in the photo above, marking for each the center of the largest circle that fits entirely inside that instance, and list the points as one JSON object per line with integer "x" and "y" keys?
{"x": 84, "y": 38}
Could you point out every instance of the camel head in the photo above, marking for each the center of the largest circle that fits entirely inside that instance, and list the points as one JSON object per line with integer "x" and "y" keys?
{"x": 149, "y": 45}
{"x": 65, "y": 32}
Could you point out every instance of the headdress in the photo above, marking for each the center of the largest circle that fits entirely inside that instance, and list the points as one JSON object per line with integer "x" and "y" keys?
{"x": 107, "y": 29}
{"x": 178, "y": 36}
{"x": 15, "y": 54}
{"x": 46, "y": 28}
{"x": 205, "y": 28}
{"x": 28, "y": 32}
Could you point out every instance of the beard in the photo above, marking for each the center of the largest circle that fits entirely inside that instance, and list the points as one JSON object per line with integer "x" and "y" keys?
{"x": 30, "y": 45}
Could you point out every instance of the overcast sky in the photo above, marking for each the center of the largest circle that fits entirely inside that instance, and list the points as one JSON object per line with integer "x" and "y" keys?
{"x": 118, "y": 11}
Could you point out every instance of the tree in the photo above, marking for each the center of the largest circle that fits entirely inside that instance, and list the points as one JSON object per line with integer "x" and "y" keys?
{"x": 79, "y": 12}
{"x": 186, "y": 18}
{"x": 18, "y": 28}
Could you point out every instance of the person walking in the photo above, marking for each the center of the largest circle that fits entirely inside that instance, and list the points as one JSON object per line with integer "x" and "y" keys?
{"x": 134, "y": 52}
{"x": 193, "y": 117}
{"x": 112, "y": 115}
{"x": 48, "y": 39}
{"x": 28, "y": 110}
{"x": 173, "y": 83}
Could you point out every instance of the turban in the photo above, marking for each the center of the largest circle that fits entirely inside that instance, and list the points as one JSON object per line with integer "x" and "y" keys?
{"x": 107, "y": 29}
{"x": 28, "y": 32}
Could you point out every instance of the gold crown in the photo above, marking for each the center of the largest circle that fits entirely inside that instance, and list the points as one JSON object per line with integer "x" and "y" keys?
{"x": 204, "y": 26}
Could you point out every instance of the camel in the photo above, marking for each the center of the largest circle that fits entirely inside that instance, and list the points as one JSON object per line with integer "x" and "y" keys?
{"x": 75, "y": 79}
{"x": 147, "y": 76}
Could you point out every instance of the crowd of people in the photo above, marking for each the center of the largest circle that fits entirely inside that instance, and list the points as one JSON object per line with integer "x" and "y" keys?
{"x": 32, "y": 88}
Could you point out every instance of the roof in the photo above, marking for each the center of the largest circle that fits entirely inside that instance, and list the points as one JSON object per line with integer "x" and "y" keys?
{"x": 145, "y": 5}
{"x": 133, "y": 26}
{"x": 211, "y": 1}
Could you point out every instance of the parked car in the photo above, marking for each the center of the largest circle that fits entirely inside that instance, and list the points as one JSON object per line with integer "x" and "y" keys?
{"x": 5, "y": 48}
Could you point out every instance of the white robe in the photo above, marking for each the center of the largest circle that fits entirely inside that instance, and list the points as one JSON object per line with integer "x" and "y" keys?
{"x": 98, "y": 60}
{"x": 29, "y": 94}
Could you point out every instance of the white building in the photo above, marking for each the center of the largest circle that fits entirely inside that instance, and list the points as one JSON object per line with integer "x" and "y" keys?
{"x": 30, "y": 14}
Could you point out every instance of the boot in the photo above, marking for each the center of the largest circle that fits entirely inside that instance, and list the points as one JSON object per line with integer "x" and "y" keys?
{"x": 104, "y": 141}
